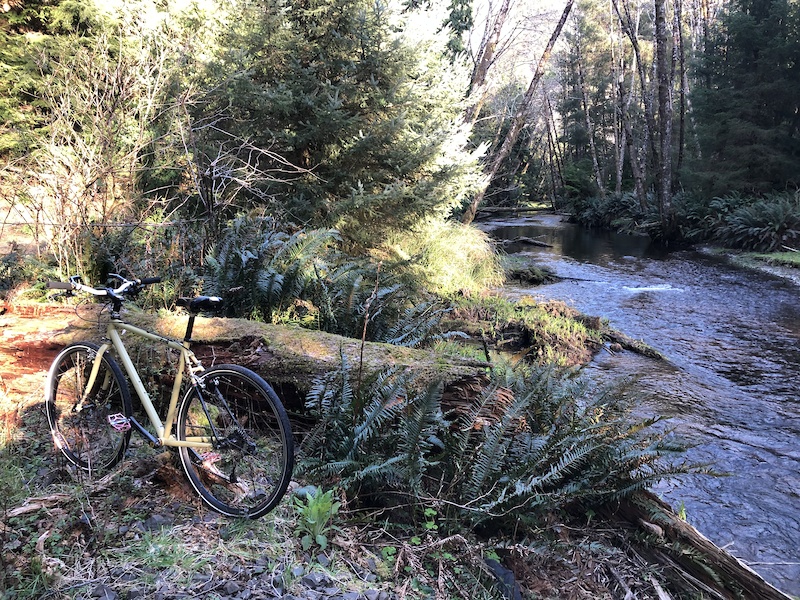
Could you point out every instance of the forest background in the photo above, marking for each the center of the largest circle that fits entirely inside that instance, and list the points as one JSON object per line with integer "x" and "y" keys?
{"x": 320, "y": 163}
{"x": 154, "y": 124}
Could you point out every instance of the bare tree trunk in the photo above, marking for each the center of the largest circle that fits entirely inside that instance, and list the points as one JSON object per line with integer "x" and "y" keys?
{"x": 663, "y": 72}
{"x": 598, "y": 176}
{"x": 620, "y": 134}
{"x": 486, "y": 56}
{"x": 678, "y": 54}
{"x": 520, "y": 118}
{"x": 636, "y": 168}
{"x": 556, "y": 161}
{"x": 631, "y": 31}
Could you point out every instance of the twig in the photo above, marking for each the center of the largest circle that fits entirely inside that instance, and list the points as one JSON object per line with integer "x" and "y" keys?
{"x": 367, "y": 305}
{"x": 629, "y": 595}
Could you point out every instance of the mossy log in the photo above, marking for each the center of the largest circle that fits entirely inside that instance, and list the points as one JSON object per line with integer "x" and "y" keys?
{"x": 290, "y": 358}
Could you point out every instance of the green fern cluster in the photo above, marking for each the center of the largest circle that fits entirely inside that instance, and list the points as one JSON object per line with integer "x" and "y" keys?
{"x": 520, "y": 447}
{"x": 763, "y": 224}
{"x": 269, "y": 274}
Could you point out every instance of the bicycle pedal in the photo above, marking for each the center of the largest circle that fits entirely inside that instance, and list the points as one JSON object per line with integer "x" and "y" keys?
{"x": 119, "y": 422}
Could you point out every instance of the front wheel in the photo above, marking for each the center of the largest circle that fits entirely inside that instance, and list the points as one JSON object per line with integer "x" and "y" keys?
{"x": 247, "y": 470}
{"x": 88, "y": 421}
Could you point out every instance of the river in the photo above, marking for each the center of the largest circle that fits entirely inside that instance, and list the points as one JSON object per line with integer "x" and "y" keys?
{"x": 730, "y": 384}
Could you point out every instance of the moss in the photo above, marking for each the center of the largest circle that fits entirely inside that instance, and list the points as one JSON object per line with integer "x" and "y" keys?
{"x": 279, "y": 353}
{"x": 785, "y": 259}
{"x": 541, "y": 332}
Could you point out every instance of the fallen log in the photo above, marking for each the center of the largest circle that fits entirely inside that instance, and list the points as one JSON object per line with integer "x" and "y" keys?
{"x": 527, "y": 240}
{"x": 687, "y": 558}
{"x": 290, "y": 358}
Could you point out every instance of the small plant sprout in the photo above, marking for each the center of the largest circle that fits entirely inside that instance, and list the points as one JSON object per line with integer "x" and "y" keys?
{"x": 314, "y": 513}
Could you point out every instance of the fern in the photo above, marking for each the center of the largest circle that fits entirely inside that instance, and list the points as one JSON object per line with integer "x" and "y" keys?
{"x": 419, "y": 435}
{"x": 492, "y": 450}
{"x": 385, "y": 406}
{"x": 303, "y": 278}
{"x": 522, "y": 445}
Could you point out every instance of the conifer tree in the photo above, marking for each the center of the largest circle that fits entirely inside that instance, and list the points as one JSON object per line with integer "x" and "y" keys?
{"x": 333, "y": 87}
{"x": 748, "y": 112}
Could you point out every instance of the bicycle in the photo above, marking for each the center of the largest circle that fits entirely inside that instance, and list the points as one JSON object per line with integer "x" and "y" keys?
{"x": 230, "y": 429}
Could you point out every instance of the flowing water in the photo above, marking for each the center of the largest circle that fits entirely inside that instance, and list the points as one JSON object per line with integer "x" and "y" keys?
{"x": 731, "y": 384}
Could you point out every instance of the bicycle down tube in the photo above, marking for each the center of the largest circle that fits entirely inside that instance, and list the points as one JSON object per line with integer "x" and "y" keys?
{"x": 163, "y": 437}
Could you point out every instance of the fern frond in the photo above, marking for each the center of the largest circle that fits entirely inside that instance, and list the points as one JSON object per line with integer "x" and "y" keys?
{"x": 421, "y": 421}
{"x": 380, "y": 410}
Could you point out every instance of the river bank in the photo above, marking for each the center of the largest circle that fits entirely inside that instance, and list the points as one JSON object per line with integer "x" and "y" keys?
{"x": 730, "y": 337}
{"x": 786, "y": 266}
{"x": 140, "y": 533}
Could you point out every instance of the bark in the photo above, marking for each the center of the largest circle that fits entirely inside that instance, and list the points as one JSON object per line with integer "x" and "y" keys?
{"x": 551, "y": 160}
{"x": 706, "y": 570}
{"x": 679, "y": 55}
{"x": 620, "y": 133}
{"x": 626, "y": 21}
{"x": 598, "y": 176}
{"x": 487, "y": 56}
{"x": 636, "y": 170}
{"x": 663, "y": 72}
{"x": 552, "y": 137}
{"x": 519, "y": 120}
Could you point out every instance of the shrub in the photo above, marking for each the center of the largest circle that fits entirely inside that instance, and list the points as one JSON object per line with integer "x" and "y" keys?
{"x": 521, "y": 446}
{"x": 765, "y": 225}
{"x": 618, "y": 212}
{"x": 302, "y": 277}
{"x": 703, "y": 220}
{"x": 449, "y": 257}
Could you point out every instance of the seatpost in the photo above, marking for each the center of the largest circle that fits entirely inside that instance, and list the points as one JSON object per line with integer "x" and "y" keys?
{"x": 188, "y": 337}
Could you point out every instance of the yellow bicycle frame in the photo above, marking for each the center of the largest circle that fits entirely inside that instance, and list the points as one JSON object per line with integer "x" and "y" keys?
{"x": 164, "y": 437}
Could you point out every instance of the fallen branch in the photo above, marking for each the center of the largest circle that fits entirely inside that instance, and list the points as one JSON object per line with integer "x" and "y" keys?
{"x": 707, "y": 568}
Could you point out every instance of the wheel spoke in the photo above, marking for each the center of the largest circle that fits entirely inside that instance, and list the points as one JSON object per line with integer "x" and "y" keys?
{"x": 81, "y": 429}
{"x": 249, "y": 468}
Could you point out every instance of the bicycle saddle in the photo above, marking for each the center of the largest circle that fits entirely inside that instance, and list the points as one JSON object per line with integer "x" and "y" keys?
{"x": 201, "y": 303}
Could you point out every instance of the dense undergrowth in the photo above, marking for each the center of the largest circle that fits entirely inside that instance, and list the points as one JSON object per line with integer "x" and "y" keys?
{"x": 525, "y": 444}
{"x": 768, "y": 223}
{"x": 426, "y": 488}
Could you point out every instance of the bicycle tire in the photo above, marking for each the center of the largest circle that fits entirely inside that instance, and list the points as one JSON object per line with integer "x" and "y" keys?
{"x": 86, "y": 436}
{"x": 247, "y": 471}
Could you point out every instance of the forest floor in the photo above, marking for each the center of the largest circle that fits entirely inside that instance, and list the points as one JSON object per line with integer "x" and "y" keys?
{"x": 139, "y": 532}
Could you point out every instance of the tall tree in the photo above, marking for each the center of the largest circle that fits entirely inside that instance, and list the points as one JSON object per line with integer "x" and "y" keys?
{"x": 748, "y": 112}
{"x": 679, "y": 62}
{"x": 587, "y": 106}
{"x": 519, "y": 120}
{"x": 664, "y": 73}
{"x": 487, "y": 53}
{"x": 334, "y": 87}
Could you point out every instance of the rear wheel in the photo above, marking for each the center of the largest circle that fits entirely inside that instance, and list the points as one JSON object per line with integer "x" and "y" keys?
{"x": 247, "y": 470}
{"x": 89, "y": 426}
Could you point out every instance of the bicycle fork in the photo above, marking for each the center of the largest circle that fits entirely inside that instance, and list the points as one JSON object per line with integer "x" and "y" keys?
{"x": 87, "y": 390}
